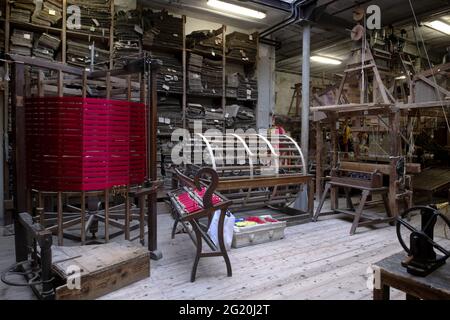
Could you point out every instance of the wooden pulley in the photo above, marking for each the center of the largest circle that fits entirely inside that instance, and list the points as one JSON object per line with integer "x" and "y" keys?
{"x": 357, "y": 33}
{"x": 358, "y": 14}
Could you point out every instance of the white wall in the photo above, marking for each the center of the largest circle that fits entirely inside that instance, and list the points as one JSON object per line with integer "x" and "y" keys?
{"x": 284, "y": 82}
{"x": 266, "y": 86}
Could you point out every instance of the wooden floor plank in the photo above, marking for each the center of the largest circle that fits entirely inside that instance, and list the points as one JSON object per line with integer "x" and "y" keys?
{"x": 314, "y": 261}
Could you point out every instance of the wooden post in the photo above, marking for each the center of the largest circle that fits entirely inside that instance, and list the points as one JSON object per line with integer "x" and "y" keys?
{"x": 64, "y": 31}
{"x": 18, "y": 110}
{"x": 129, "y": 87}
{"x": 152, "y": 198}
{"x": 127, "y": 214}
{"x": 184, "y": 103}
{"x": 6, "y": 95}
{"x": 111, "y": 37}
{"x": 106, "y": 215}
{"x": 84, "y": 84}
{"x": 60, "y": 220}
{"x": 395, "y": 144}
{"x": 83, "y": 217}
{"x": 40, "y": 84}
{"x": 28, "y": 94}
{"x": 108, "y": 85}
{"x": 334, "y": 157}
{"x": 41, "y": 210}
{"x": 60, "y": 84}
{"x": 319, "y": 148}
{"x": 141, "y": 220}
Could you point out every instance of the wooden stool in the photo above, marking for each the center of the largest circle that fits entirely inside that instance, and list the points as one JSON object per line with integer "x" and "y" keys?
{"x": 359, "y": 219}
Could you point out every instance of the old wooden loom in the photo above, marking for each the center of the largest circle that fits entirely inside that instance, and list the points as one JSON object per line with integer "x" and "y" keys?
{"x": 255, "y": 171}
{"x": 425, "y": 92}
{"x": 79, "y": 155}
{"x": 69, "y": 148}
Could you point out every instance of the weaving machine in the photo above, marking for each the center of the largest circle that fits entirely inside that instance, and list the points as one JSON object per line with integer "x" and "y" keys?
{"x": 254, "y": 171}
{"x": 367, "y": 178}
{"x": 86, "y": 158}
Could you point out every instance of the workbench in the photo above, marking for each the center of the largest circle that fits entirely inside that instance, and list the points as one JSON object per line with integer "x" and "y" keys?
{"x": 390, "y": 273}
{"x": 431, "y": 181}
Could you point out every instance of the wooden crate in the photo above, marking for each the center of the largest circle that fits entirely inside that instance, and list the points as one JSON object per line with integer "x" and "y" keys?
{"x": 104, "y": 268}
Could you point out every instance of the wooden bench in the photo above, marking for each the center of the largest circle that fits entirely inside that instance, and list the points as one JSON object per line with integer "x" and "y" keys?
{"x": 370, "y": 185}
{"x": 206, "y": 210}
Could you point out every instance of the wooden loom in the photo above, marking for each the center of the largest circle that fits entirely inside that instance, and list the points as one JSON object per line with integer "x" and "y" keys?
{"x": 70, "y": 215}
{"x": 255, "y": 171}
{"x": 361, "y": 68}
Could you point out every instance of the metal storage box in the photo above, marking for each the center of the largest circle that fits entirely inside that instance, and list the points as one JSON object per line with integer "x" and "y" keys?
{"x": 251, "y": 235}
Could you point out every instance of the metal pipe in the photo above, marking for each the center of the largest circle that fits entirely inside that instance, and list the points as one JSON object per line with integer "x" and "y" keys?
{"x": 305, "y": 92}
{"x": 295, "y": 13}
{"x": 274, "y": 4}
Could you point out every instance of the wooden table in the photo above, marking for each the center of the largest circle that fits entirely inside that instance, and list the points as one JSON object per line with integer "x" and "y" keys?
{"x": 391, "y": 273}
{"x": 431, "y": 181}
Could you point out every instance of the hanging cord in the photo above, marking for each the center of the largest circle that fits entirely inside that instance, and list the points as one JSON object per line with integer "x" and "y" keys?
{"x": 429, "y": 63}
{"x": 377, "y": 139}
{"x": 363, "y": 58}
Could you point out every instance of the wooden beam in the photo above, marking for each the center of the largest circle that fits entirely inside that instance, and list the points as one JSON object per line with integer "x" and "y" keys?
{"x": 112, "y": 73}
{"x": 351, "y": 107}
{"x": 431, "y": 104}
{"x": 288, "y": 179}
{"x": 435, "y": 70}
{"x": 371, "y": 167}
{"x": 41, "y": 63}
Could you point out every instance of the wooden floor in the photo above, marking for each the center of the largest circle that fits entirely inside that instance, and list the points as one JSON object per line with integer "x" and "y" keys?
{"x": 315, "y": 261}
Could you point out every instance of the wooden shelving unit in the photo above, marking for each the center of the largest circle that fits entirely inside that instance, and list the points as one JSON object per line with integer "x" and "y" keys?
{"x": 108, "y": 40}
{"x": 66, "y": 34}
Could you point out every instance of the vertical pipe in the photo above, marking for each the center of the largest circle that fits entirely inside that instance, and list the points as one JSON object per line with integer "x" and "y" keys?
{"x": 305, "y": 92}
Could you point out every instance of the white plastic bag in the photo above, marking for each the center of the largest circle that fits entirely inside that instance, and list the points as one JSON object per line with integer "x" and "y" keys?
{"x": 228, "y": 229}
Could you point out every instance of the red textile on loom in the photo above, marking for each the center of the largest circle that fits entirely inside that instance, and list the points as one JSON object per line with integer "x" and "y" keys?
{"x": 188, "y": 203}
{"x": 81, "y": 144}
{"x": 215, "y": 198}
